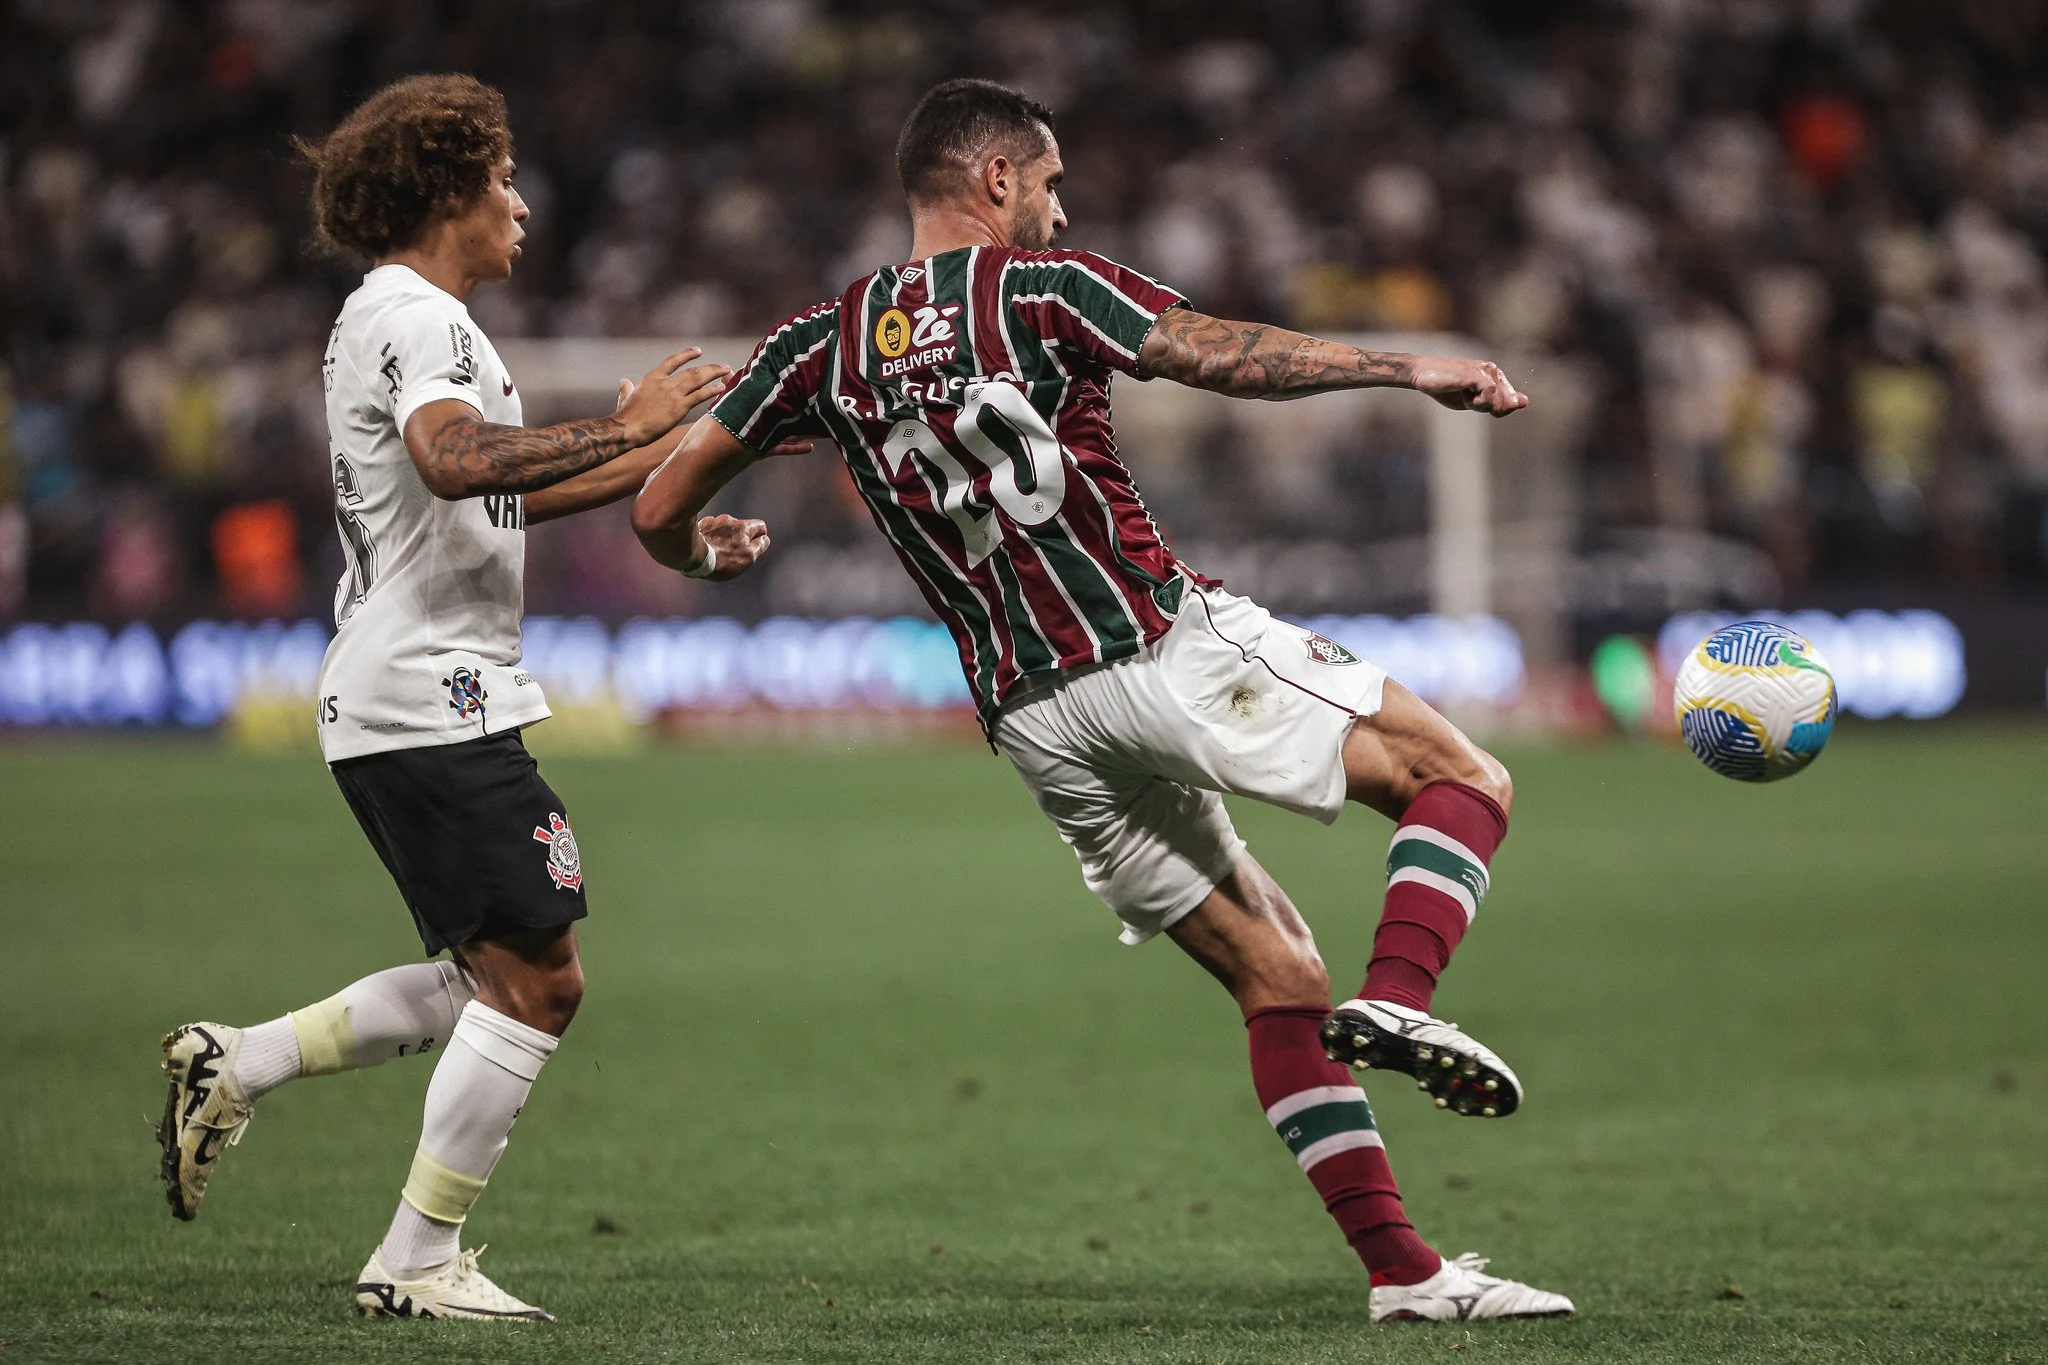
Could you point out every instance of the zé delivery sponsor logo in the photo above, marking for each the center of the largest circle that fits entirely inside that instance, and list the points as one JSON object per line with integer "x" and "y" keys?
{"x": 914, "y": 342}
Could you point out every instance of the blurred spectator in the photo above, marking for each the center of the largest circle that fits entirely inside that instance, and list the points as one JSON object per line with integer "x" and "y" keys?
{"x": 1824, "y": 135}
{"x": 1898, "y": 405}
{"x": 256, "y": 554}
{"x": 139, "y": 570}
{"x": 13, "y": 519}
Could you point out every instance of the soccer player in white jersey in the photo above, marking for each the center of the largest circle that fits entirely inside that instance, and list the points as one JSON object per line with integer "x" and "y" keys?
{"x": 422, "y": 697}
{"x": 968, "y": 392}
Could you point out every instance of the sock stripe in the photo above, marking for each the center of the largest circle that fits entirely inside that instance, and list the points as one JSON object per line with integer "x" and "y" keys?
{"x": 1419, "y": 846}
{"x": 1282, "y": 1110}
{"x": 1430, "y": 834}
{"x": 1315, "y": 1126}
{"x": 1457, "y": 891}
{"x": 1349, "y": 1141}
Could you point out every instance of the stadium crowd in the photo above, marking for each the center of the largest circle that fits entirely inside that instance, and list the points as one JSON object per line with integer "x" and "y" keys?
{"x": 1797, "y": 244}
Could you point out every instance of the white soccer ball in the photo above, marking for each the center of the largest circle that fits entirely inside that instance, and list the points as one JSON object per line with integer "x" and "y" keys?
{"x": 1755, "y": 702}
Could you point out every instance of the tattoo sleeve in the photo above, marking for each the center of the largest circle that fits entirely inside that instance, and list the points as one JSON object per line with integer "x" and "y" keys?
{"x": 468, "y": 456}
{"x": 1253, "y": 360}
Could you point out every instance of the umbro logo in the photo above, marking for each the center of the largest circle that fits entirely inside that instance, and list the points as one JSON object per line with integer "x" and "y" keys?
{"x": 912, "y": 274}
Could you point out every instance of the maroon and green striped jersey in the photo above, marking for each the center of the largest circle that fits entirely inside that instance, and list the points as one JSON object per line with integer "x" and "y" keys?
{"x": 969, "y": 395}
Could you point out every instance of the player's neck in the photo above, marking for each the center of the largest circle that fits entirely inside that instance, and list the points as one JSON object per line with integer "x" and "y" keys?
{"x": 947, "y": 228}
{"x": 432, "y": 262}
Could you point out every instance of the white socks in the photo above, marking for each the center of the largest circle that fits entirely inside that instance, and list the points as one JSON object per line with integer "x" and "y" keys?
{"x": 480, "y": 1084}
{"x": 406, "y": 1009}
{"x": 269, "y": 1057}
{"x": 416, "y": 1244}
{"x": 487, "y": 1067}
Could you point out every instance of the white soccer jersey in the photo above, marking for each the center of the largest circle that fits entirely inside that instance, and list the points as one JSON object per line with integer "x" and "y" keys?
{"x": 426, "y": 648}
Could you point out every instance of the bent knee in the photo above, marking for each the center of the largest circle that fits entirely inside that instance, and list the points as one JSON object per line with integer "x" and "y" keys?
{"x": 563, "y": 995}
{"x": 547, "y": 1001}
{"x": 1493, "y": 779}
{"x": 1298, "y": 980}
{"x": 1309, "y": 982}
{"x": 1474, "y": 768}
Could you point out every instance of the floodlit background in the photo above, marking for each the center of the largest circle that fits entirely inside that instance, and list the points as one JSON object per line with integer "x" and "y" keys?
{"x": 862, "y": 1073}
{"x": 1772, "y": 273}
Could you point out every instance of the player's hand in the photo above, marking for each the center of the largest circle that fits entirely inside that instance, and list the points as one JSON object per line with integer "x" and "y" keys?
{"x": 794, "y": 446}
{"x": 739, "y": 544}
{"x": 665, "y": 394}
{"x": 1467, "y": 385}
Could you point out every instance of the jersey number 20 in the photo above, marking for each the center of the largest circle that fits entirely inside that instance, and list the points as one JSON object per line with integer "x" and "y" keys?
{"x": 1027, "y": 470}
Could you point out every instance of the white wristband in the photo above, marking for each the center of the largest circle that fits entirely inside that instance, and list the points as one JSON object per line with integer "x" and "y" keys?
{"x": 705, "y": 567}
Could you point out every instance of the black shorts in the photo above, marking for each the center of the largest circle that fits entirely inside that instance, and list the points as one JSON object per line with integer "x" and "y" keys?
{"x": 479, "y": 845}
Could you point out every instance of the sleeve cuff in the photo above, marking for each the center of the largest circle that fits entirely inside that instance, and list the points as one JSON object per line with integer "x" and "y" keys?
{"x": 417, "y": 398}
{"x": 1149, "y": 327}
{"x": 719, "y": 416}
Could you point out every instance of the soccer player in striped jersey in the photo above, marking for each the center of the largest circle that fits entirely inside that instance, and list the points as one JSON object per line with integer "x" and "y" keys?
{"x": 968, "y": 392}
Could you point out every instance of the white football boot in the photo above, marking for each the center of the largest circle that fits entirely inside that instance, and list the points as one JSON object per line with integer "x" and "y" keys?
{"x": 1464, "y": 1075}
{"x": 455, "y": 1290}
{"x": 207, "y": 1112}
{"x": 1461, "y": 1290}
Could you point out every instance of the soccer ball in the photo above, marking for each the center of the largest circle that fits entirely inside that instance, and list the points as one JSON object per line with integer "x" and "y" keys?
{"x": 1755, "y": 702}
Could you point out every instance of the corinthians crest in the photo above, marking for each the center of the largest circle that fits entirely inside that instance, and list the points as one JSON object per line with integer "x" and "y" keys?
{"x": 565, "y": 864}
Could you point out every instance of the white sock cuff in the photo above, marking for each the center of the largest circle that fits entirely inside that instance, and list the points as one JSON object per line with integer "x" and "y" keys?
{"x": 504, "y": 1041}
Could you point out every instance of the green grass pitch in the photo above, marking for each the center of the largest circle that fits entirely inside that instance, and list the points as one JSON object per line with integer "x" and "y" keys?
{"x": 862, "y": 1074}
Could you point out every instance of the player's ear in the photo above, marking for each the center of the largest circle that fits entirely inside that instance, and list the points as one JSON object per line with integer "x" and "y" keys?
{"x": 998, "y": 178}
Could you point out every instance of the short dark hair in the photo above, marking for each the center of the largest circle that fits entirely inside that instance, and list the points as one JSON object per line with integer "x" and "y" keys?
{"x": 959, "y": 123}
{"x": 412, "y": 150}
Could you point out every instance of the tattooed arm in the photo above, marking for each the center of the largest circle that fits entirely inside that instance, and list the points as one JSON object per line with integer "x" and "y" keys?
{"x": 459, "y": 455}
{"x": 1253, "y": 360}
{"x": 618, "y": 480}
{"x": 600, "y": 487}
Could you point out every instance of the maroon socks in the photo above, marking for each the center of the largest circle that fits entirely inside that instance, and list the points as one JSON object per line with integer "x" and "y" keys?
{"x": 1322, "y": 1116}
{"x": 1436, "y": 877}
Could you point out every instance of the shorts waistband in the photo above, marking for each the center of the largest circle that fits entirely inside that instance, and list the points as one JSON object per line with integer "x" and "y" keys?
{"x": 1033, "y": 686}
{"x": 1036, "y": 685}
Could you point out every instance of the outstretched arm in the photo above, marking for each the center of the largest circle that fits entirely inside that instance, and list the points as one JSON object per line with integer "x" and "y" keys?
{"x": 1254, "y": 360}
{"x": 666, "y": 514}
{"x": 459, "y": 455}
{"x": 602, "y": 486}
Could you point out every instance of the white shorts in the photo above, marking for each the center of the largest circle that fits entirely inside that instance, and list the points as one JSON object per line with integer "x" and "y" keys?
{"x": 1128, "y": 758}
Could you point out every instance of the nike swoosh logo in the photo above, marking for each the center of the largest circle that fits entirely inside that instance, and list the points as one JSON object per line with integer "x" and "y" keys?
{"x": 508, "y": 386}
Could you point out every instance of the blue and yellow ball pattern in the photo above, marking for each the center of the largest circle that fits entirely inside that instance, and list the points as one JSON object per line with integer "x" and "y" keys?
{"x": 1755, "y": 701}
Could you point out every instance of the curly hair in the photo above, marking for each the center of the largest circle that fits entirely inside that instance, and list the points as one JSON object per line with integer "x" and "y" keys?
{"x": 406, "y": 154}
